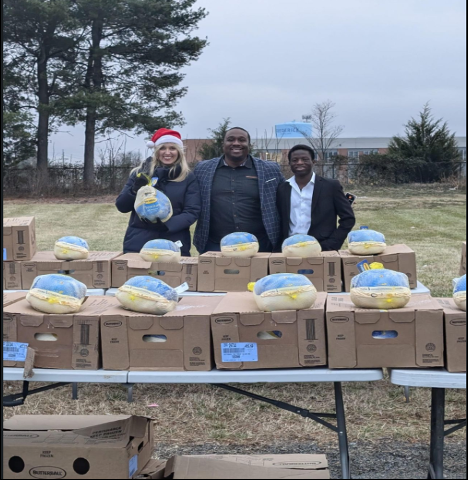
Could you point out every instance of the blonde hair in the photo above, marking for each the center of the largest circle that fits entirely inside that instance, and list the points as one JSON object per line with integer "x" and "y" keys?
{"x": 155, "y": 163}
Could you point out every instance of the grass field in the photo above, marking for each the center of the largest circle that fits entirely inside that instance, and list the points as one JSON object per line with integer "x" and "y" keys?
{"x": 430, "y": 220}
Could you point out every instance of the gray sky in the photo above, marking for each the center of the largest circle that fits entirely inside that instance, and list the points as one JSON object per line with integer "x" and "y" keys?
{"x": 270, "y": 61}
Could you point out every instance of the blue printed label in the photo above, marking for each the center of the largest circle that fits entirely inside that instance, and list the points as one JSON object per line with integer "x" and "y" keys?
{"x": 132, "y": 466}
{"x": 363, "y": 266}
{"x": 4, "y": 255}
{"x": 364, "y": 227}
{"x": 239, "y": 352}
{"x": 15, "y": 352}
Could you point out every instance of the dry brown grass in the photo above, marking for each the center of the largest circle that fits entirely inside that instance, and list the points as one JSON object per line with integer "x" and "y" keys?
{"x": 203, "y": 414}
{"x": 430, "y": 220}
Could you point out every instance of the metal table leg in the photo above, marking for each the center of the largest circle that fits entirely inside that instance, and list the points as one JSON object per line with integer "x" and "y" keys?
{"x": 129, "y": 387}
{"x": 436, "y": 468}
{"x": 74, "y": 391}
{"x": 342, "y": 432}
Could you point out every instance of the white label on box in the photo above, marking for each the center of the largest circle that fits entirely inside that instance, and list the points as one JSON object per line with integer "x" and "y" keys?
{"x": 132, "y": 466}
{"x": 15, "y": 352}
{"x": 183, "y": 288}
{"x": 239, "y": 352}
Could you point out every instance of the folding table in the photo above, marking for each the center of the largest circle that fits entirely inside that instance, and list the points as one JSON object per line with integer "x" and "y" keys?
{"x": 438, "y": 380}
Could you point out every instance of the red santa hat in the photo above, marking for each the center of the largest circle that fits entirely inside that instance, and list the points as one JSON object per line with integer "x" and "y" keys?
{"x": 163, "y": 135}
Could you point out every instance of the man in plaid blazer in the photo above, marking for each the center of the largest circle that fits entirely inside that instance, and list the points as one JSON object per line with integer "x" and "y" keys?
{"x": 238, "y": 193}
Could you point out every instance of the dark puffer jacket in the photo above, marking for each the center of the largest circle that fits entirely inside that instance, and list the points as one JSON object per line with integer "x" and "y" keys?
{"x": 186, "y": 205}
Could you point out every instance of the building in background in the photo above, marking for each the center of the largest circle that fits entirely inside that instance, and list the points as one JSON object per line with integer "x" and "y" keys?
{"x": 276, "y": 149}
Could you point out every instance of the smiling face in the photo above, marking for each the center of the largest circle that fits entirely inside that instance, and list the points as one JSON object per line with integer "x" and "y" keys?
{"x": 236, "y": 145}
{"x": 168, "y": 154}
{"x": 301, "y": 163}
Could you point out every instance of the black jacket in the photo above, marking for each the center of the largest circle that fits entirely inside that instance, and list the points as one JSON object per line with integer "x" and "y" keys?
{"x": 328, "y": 203}
{"x": 186, "y": 205}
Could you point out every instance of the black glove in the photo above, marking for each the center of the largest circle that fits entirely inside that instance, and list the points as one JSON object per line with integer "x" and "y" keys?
{"x": 159, "y": 226}
{"x": 140, "y": 181}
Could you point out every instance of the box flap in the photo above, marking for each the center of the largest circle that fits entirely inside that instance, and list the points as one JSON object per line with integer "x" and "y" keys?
{"x": 364, "y": 316}
{"x": 34, "y": 423}
{"x": 252, "y": 319}
{"x": 292, "y": 461}
{"x": 285, "y": 316}
{"x": 195, "y": 306}
{"x": 32, "y": 320}
{"x": 224, "y": 261}
{"x": 141, "y": 323}
{"x": 18, "y": 221}
{"x": 402, "y": 316}
{"x": 204, "y": 468}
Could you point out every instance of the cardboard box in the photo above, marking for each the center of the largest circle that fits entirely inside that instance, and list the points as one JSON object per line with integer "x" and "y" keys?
{"x": 455, "y": 335}
{"x": 94, "y": 272}
{"x": 222, "y": 274}
{"x": 10, "y": 298}
{"x": 354, "y": 339}
{"x": 154, "y": 470}
{"x": 324, "y": 272}
{"x": 259, "y": 467}
{"x": 12, "y": 276}
{"x": 77, "y": 345}
{"x": 132, "y": 265}
{"x": 399, "y": 258}
{"x": 82, "y": 446}
{"x": 242, "y": 338}
{"x": 128, "y": 338}
{"x": 19, "y": 238}
{"x": 463, "y": 260}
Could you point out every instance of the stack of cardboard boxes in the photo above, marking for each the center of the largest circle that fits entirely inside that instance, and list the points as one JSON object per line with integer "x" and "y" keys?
{"x": 101, "y": 447}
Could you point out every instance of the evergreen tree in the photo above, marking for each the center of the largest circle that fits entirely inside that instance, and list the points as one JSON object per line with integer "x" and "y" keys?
{"x": 431, "y": 142}
{"x": 19, "y": 139}
{"x": 40, "y": 36}
{"x": 214, "y": 149}
{"x": 130, "y": 68}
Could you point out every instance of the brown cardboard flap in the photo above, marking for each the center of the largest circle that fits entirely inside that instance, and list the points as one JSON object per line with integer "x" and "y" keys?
{"x": 367, "y": 316}
{"x": 252, "y": 319}
{"x": 32, "y": 320}
{"x": 390, "y": 258}
{"x": 291, "y": 461}
{"x": 204, "y": 468}
{"x": 58, "y": 321}
{"x": 224, "y": 261}
{"x": 138, "y": 264}
{"x": 288, "y": 316}
{"x": 141, "y": 323}
{"x": 172, "y": 323}
{"x": 37, "y": 423}
{"x": 402, "y": 316}
{"x": 80, "y": 266}
{"x": 296, "y": 261}
{"x": 243, "y": 262}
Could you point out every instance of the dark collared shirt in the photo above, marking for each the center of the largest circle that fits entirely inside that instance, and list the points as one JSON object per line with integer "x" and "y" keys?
{"x": 235, "y": 202}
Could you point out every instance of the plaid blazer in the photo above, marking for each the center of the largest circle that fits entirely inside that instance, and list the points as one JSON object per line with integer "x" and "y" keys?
{"x": 269, "y": 178}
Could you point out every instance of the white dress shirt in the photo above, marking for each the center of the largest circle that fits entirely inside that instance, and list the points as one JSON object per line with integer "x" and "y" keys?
{"x": 301, "y": 207}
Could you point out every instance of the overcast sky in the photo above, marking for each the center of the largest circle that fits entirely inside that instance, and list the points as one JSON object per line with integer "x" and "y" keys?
{"x": 270, "y": 61}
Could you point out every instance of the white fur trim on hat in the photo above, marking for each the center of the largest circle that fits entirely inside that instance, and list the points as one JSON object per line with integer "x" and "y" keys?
{"x": 150, "y": 144}
{"x": 169, "y": 139}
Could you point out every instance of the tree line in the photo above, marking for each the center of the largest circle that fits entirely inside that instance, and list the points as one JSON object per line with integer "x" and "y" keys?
{"x": 110, "y": 65}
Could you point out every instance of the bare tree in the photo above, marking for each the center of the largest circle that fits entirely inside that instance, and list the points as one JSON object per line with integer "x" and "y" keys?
{"x": 324, "y": 130}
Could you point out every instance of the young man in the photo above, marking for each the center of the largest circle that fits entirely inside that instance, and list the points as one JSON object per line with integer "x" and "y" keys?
{"x": 238, "y": 194}
{"x": 309, "y": 204}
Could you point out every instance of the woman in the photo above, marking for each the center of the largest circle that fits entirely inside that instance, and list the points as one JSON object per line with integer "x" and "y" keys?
{"x": 176, "y": 181}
